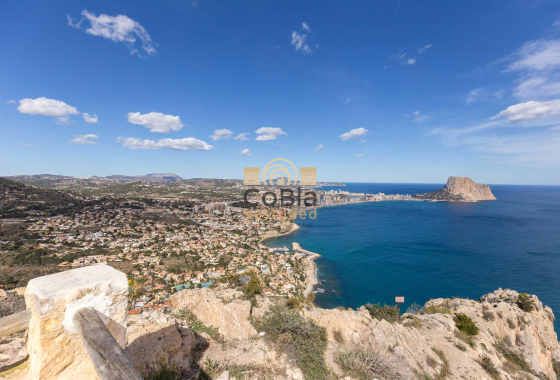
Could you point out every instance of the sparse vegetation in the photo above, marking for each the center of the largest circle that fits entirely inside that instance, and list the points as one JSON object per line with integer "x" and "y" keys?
{"x": 211, "y": 369}
{"x": 437, "y": 309}
{"x": 386, "y": 312}
{"x": 556, "y": 368}
{"x": 486, "y": 363}
{"x": 161, "y": 370}
{"x": 366, "y": 363}
{"x": 468, "y": 339}
{"x": 511, "y": 356}
{"x": 413, "y": 321}
{"x": 465, "y": 324}
{"x": 197, "y": 326}
{"x": 510, "y": 323}
{"x": 338, "y": 337}
{"x": 460, "y": 346}
{"x": 445, "y": 372}
{"x": 301, "y": 339}
{"x": 488, "y": 316}
{"x": 526, "y": 302}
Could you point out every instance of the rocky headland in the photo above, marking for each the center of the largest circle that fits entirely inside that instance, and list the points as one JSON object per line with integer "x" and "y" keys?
{"x": 460, "y": 189}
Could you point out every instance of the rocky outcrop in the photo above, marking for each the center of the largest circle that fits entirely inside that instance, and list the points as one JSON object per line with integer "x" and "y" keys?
{"x": 460, "y": 189}
{"x": 12, "y": 352}
{"x": 54, "y": 346}
{"x": 223, "y": 309}
{"x": 154, "y": 336}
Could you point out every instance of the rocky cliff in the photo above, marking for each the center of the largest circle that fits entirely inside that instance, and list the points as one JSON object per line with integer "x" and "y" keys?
{"x": 460, "y": 189}
{"x": 217, "y": 334}
{"x": 513, "y": 338}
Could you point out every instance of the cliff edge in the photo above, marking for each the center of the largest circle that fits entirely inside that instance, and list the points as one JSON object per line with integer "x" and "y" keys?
{"x": 460, "y": 189}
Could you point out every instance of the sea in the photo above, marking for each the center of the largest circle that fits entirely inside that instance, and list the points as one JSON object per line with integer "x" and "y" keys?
{"x": 374, "y": 252}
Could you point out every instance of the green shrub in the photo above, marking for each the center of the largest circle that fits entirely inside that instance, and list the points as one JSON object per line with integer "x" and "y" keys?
{"x": 386, "y": 312}
{"x": 437, "y": 309}
{"x": 526, "y": 302}
{"x": 301, "y": 339}
{"x": 465, "y": 324}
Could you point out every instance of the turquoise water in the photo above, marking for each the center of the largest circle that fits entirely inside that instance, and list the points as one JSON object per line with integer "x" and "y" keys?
{"x": 372, "y": 252}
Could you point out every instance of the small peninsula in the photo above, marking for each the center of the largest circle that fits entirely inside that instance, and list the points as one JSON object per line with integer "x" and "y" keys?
{"x": 460, "y": 189}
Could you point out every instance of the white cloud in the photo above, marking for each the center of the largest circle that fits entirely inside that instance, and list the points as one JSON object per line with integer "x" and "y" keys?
{"x": 537, "y": 63}
{"x": 411, "y": 61}
{"x": 46, "y": 107}
{"x": 298, "y": 40}
{"x": 241, "y": 137}
{"x": 246, "y": 152}
{"x": 26, "y": 145}
{"x": 348, "y": 100}
{"x": 221, "y": 134}
{"x": 473, "y": 95}
{"x": 305, "y": 27}
{"x": 84, "y": 139}
{"x": 537, "y": 55}
{"x": 400, "y": 56}
{"x": 118, "y": 28}
{"x": 188, "y": 143}
{"x": 358, "y": 132}
{"x": 424, "y": 48}
{"x": 530, "y": 110}
{"x": 64, "y": 120}
{"x": 319, "y": 147}
{"x": 359, "y": 155}
{"x": 11, "y": 102}
{"x": 268, "y": 133}
{"x": 90, "y": 118}
{"x": 156, "y": 121}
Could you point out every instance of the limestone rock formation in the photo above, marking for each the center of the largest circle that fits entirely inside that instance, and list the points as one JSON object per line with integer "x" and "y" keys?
{"x": 54, "y": 347}
{"x": 223, "y": 309}
{"x": 154, "y": 336}
{"x": 12, "y": 352}
{"x": 460, "y": 189}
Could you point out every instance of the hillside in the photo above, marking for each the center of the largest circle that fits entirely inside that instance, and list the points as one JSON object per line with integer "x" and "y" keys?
{"x": 18, "y": 200}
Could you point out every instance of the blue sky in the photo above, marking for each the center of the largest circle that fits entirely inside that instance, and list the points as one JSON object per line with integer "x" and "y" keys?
{"x": 366, "y": 91}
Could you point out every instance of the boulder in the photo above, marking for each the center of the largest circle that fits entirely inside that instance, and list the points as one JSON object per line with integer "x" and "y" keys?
{"x": 55, "y": 349}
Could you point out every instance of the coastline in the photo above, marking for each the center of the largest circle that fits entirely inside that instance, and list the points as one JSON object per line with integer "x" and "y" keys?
{"x": 294, "y": 228}
{"x": 310, "y": 270}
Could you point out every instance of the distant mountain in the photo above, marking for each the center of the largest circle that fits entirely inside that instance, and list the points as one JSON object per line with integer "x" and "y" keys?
{"x": 460, "y": 189}
{"x": 19, "y": 200}
{"x": 162, "y": 177}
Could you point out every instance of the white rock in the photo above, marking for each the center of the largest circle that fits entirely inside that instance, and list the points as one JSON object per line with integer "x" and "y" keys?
{"x": 54, "y": 347}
